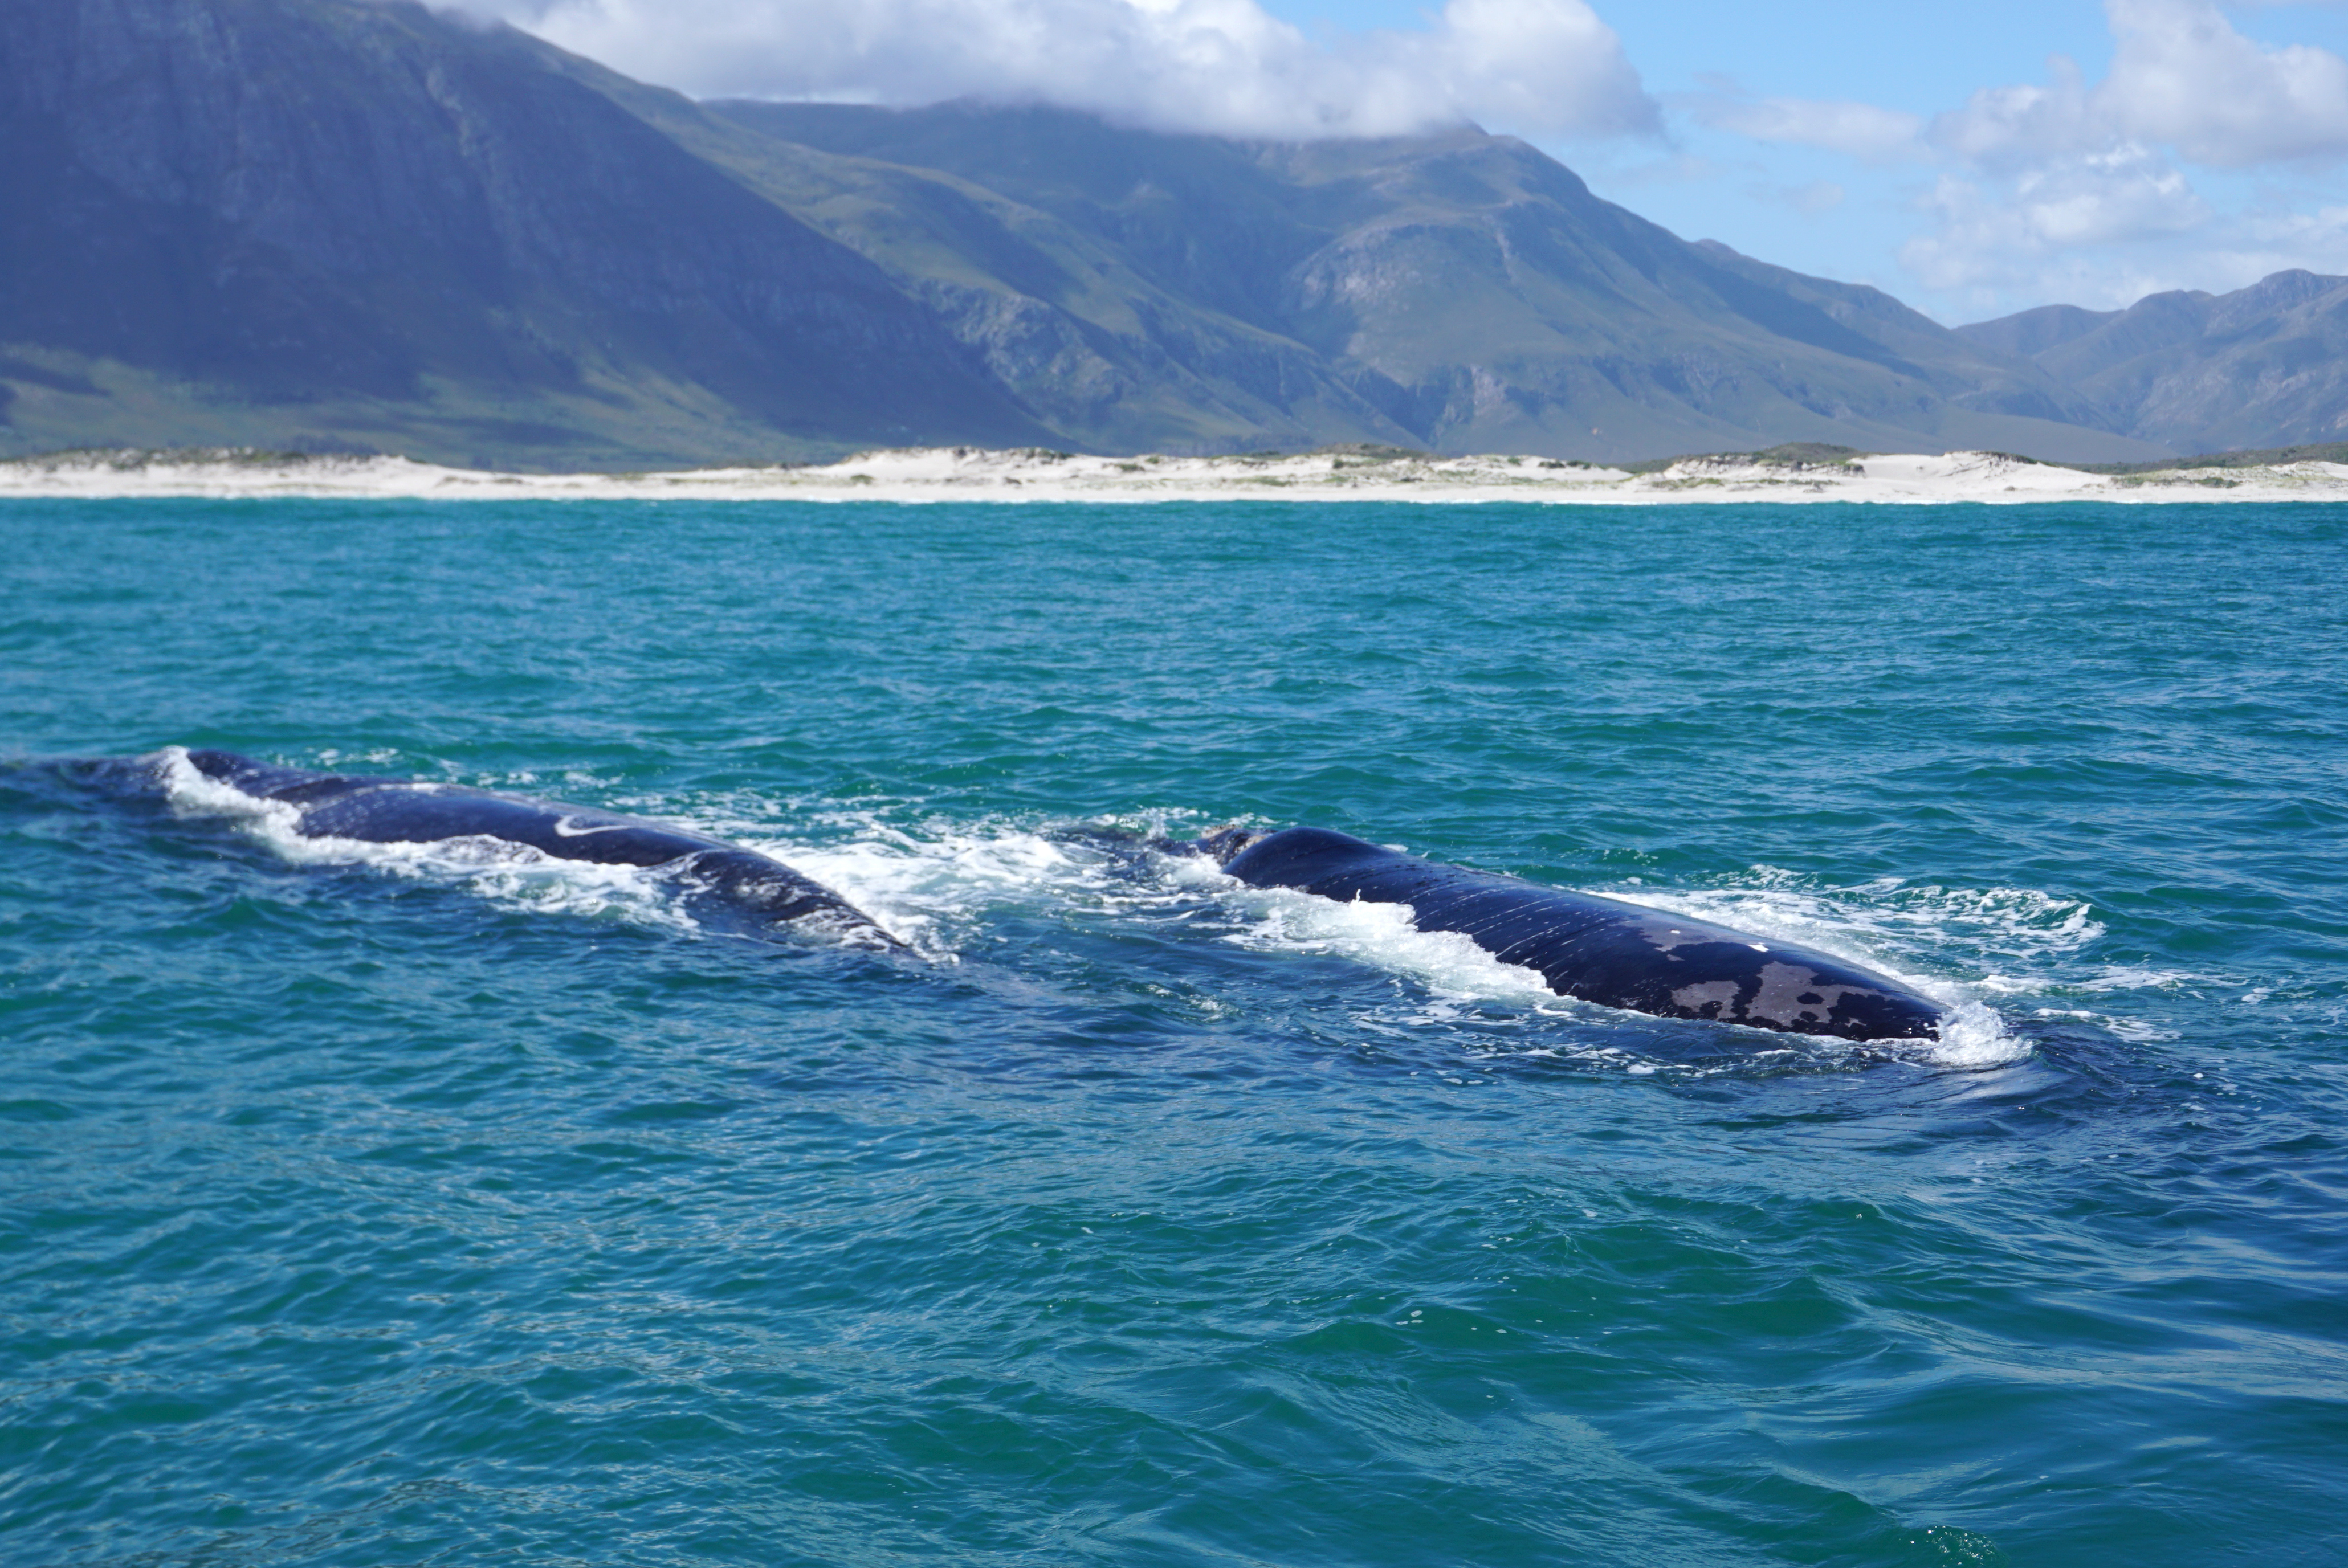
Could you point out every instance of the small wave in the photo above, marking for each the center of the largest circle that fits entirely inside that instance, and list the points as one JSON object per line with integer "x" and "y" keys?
{"x": 2135, "y": 1031}
{"x": 2135, "y": 978}
{"x": 2090, "y": 997}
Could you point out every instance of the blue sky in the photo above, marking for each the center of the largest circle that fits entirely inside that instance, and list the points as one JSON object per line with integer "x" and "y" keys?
{"x": 1969, "y": 159}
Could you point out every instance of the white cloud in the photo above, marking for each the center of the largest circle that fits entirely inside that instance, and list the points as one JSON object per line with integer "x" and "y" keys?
{"x": 2011, "y": 129}
{"x": 1863, "y": 131}
{"x": 1984, "y": 275}
{"x": 2005, "y": 238}
{"x": 2073, "y": 190}
{"x": 2181, "y": 76}
{"x": 1542, "y": 67}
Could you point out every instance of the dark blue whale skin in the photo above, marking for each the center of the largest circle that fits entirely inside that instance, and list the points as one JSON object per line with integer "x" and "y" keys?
{"x": 757, "y": 887}
{"x": 1599, "y": 949}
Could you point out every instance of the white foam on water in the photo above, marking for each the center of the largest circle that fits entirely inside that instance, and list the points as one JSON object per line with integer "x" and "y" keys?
{"x": 930, "y": 892}
{"x": 1971, "y": 1035}
{"x": 937, "y": 884}
{"x": 1447, "y": 963}
{"x": 1887, "y": 918}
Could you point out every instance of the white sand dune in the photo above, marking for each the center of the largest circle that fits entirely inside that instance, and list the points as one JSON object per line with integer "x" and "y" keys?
{"x": 967, "y": 474}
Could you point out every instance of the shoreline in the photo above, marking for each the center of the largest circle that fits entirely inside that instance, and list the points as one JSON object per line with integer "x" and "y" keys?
{"x": 922, "y": 475}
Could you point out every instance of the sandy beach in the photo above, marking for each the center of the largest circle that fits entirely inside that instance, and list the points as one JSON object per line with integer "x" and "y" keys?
{"x": 967, "y": 474}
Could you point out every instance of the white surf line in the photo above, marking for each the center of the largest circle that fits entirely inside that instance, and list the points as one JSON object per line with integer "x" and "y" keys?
{"x": 976, "y": 474}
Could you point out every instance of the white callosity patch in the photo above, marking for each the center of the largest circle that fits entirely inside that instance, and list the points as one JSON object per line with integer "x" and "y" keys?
{"x": 973, "y": 474}
{"x": 1708, "y": 999}
{"x": 1792, "y": 994}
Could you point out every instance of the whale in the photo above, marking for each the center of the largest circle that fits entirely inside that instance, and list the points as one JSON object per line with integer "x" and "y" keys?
{"x": 757, "y": 890}
{"x": 1598, "y": 949}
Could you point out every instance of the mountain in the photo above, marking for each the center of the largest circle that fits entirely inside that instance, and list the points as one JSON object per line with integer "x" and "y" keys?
{"x": 2265, "y": 366}
{"x": 1466, "y": 289}
{"x": 316, "y": 222}
{"x": 357, "y": 224}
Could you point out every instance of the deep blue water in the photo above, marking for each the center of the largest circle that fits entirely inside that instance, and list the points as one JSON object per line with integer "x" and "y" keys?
{"x": 413, "y": 1208}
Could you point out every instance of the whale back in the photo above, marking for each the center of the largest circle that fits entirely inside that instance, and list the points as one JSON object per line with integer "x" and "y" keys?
{"x": 1600, "y": 949}
{"x": 407, "y": 811}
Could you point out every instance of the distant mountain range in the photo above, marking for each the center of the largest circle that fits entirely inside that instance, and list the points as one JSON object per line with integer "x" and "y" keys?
{"x": 346, "y": 224}
{"x": 2263, "y": 366}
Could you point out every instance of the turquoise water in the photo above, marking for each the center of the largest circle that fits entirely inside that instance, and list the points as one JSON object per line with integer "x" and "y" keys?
{"x": 420, "y": 1208}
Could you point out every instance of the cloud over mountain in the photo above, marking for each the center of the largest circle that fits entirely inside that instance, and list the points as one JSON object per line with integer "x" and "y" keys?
{"x": 1539, "y": 68}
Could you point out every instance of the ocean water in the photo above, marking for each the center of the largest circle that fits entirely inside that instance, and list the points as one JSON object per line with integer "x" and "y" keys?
{"x": 429, "y": 1206}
